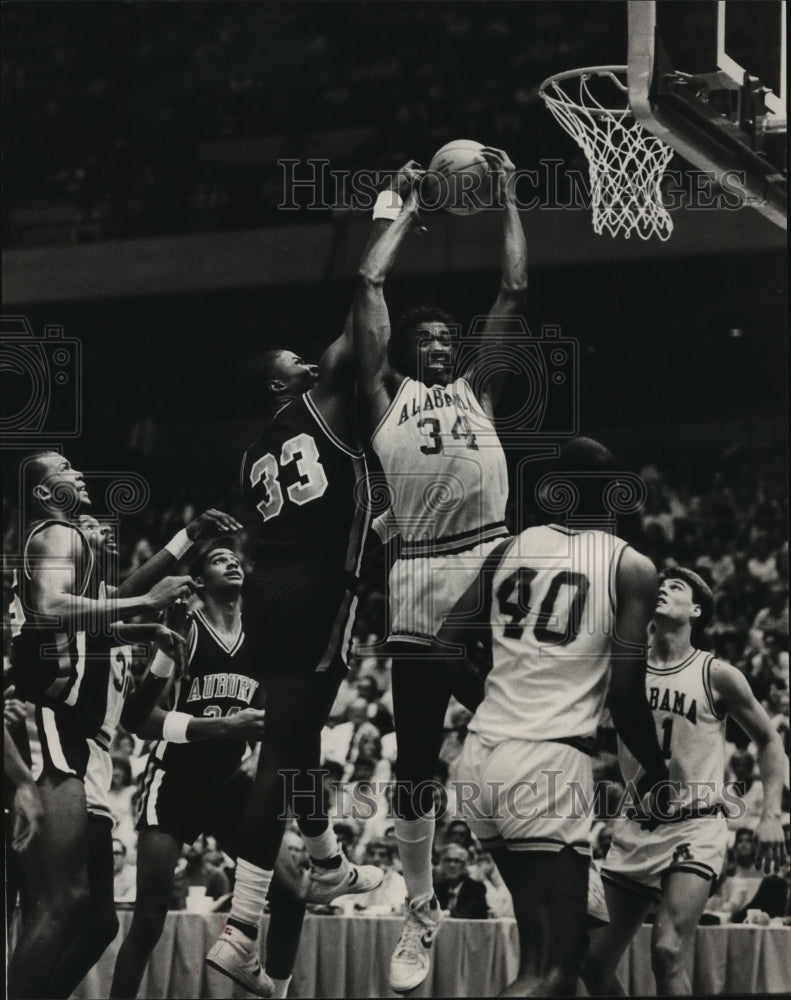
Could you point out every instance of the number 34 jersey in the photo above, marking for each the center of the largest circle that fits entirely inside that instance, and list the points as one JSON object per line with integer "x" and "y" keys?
{"x": 445, "y": 467}
{"x": 552, "y": 620}
{"x": 305, "y": 492}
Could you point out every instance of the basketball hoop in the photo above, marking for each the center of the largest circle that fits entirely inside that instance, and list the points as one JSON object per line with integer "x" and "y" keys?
{"x": 625, "y": 162}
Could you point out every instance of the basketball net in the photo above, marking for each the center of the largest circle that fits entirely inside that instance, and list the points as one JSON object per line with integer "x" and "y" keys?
{"x": 625, "y": 162}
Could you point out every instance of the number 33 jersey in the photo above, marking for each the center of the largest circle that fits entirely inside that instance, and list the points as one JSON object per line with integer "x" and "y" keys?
{"x": 305, "y": 492}
{"x": 445, "y": 467}
{"x": 552, "y": 619}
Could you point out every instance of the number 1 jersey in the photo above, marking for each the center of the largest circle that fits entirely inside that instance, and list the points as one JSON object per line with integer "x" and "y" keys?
{"x": 445, "y": 467}
{"x": 305, "y": 492}
{"x": 552, "y": 619}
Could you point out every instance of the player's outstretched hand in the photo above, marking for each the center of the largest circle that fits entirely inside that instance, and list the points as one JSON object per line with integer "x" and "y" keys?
{"x": 246, "y": 725}
{"x": 28, "y": 815}
{"x": 770, "y": 845}
{"x": 14, "y": 710}
{"x": 502, "y": 169}
{"x": 172, "y": 588}
{"x": 178, "y": 617}
{"x": 210, "y": 524}
{"x": 407, "y": 178}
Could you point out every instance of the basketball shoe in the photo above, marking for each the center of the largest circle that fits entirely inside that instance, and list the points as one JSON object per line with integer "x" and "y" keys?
{"x": 326, "y": 884}
{"x": 411, "y": 959}
{"x": 236, "y": 956}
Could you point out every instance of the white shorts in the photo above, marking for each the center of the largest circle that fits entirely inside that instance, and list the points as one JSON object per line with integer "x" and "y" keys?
{"x": 525, "y": 796}
{"x": 640, "y": 860}
{"x": 424, "y": 590}
{"x": 598, "y": 914}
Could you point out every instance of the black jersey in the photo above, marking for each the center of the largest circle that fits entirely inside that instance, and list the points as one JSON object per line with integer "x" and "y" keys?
{"x": 305, "y": 492}
{"x": 81, "y": 673}
{"x": 219, "y": 682}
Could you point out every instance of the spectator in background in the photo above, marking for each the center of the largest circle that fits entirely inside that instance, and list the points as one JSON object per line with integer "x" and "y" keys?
{"x": 459, "y": 894}
{"x": 457, "y": 832}
{"x": 368, "y": 690}
{"x": 773, "y": 618}
{"x": 716, "y": 563}
{"x": 769, "y": 665}
{"x": 762, "y": 565}
{"x": 742, "y": 884}
{"x": 498, "y": 898}
{"x": 390, "y": 896}
{"x": 340, "y": 743}
{"x": 193, "y": 871}
{"x": 120, "y": 796}
{"x": 124, "y": 874}
{"x": 750, "y": 791}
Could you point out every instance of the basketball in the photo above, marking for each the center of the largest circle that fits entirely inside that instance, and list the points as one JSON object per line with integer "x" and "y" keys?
{"x": 457, "y": 179}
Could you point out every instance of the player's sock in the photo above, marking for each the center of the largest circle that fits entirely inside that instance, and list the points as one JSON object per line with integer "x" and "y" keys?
{"x": 281, "y": 987}
{"x": 249, "y": 896}
{"x": 324, "y": 850}
{"x": 415, "y": 838}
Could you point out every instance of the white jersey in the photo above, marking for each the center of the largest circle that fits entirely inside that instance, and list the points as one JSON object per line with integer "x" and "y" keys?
{"x": 688, "y": 728}
{"x": 552, "y": 618}
{"x": 445, "y": 467}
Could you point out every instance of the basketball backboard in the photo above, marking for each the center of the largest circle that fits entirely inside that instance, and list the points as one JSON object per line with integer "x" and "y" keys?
{"x": 708, "y": 78}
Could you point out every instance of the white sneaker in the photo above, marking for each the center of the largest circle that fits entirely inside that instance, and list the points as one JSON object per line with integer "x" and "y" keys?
{"x": 236, "y": 956}
{"x": 410, "y": 962}
{"x": 327, "y": 884}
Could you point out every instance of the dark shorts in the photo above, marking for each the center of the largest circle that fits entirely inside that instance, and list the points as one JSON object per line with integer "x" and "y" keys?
{"x": 65, "y": 750}
{"x": 187, "y": 805}
{"x": 298, "y": 620}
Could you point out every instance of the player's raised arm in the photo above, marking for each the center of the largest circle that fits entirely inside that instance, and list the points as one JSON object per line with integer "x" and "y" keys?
{"x": 210, "y": 524}
{"x": 371, "y": 317}
{"x": 513, "y": 280}
{"x": 733, "y": 696}
{"x": 636, "y": 588}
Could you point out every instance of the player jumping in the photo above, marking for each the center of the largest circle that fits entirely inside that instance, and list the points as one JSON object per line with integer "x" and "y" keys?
{"x": 433, "y": 431}
{"x": 304, "y": 483}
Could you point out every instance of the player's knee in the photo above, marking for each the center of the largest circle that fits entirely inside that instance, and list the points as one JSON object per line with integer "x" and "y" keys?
{"x": 72, "y": 906}
{"x": 149, "y": 919}
{"x": 104, "y": 926}
{"x": 667, "y": 954}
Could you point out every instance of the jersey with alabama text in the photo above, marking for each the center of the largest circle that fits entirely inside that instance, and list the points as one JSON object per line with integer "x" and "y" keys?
{"x": 83, "y": 674}
{"x": 305, "y": 491}
{"x": 219, "y": 682}
{"x": 688, "y": 729}
{"x": 552, "y": 620}
{"x": 445, "y": 467}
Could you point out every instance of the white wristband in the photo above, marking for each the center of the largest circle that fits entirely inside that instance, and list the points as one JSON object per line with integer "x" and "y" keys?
{"x": 174, "y": 728}
{"x": 388, "y": 205}
{"x": 179, "y": 545}
{"x": 162, "y": 665}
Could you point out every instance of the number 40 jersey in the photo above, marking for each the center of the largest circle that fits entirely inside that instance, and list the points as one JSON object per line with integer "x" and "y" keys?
{"x": 552, "y": 621}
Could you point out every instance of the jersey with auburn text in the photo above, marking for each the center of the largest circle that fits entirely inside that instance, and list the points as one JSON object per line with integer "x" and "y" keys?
{"x": 219, "y": 682}
{"x": 552, "y": 619}
{"x": 688, "y": 728}
{"x": 445, "y": 468}
{"x": 82, "y": 673}
{"x": 305, "y": 492}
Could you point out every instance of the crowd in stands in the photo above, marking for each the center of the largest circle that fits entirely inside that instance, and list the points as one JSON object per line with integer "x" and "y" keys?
{"x": 111, "y": 114}
{"x": 733, "y": 533}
